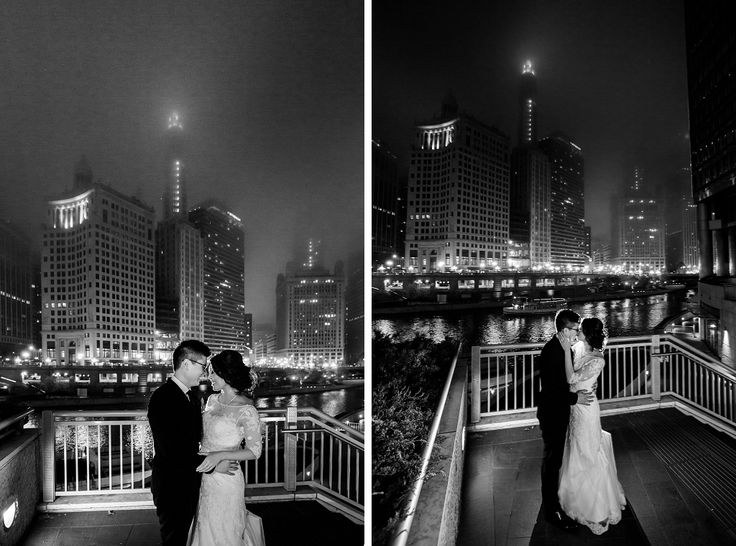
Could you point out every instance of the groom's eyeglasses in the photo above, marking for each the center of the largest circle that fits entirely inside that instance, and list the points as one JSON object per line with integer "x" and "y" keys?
{"x": 203, "y": 364}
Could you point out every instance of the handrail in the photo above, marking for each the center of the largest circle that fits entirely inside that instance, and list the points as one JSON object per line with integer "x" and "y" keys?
{"x": 13, "y": 419}
{"x": 402, "y": 533}
{"x": 334, "y": 422}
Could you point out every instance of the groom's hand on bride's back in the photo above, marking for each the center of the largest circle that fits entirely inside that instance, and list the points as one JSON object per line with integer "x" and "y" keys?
{"x": 227, "y": 467}
{"x": 585, "y": 398}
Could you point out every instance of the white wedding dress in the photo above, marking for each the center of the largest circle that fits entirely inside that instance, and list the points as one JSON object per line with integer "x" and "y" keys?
{"x": 222, "y": 518}
{"x": 589, "y": 491}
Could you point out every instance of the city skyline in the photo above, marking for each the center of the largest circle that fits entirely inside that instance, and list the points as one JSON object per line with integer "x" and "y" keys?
{"x": 621, "y": 113}
{"x": 273, "y": 130}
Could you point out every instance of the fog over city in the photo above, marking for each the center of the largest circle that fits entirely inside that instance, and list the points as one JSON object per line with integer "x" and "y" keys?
{"x": 270, "y": 99}
{"x": 610, "y": 75}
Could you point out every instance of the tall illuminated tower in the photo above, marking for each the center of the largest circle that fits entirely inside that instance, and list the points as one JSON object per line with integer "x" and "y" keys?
{"x": 528, "y": 105}
{"x": 175, "y": 202}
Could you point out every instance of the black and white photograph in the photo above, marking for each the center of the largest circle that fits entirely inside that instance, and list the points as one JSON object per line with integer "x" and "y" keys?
{"x": 181, "y": 273}
{"x": 552, "y": 278}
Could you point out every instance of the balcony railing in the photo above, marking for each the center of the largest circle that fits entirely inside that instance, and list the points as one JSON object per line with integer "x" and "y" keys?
{"x": 110, "y": 452}
{"x": 504, "y": 380}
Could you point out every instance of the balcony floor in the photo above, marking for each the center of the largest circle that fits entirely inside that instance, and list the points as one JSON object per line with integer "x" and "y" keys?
{"x": 284, "y": 523}
{"x": 679, "y": 476}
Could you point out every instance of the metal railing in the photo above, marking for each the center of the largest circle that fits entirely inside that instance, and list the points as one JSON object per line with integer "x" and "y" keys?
{"x": 504, "y": 379}
{"x": 110, "y": 452}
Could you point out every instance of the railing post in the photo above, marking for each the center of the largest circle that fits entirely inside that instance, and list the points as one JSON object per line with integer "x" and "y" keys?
{"x": 290, "y": 440}
{"x": 475, "y": 384}
{"x": 48, "y": 437}
{"x": 654, "y": 370}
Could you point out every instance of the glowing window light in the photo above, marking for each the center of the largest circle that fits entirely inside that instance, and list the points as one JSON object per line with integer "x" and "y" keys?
{"x": 9, "y": 514}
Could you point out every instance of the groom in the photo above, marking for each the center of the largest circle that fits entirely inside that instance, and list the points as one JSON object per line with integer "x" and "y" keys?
{"x": 176, "y": 425}
{"x": 553, "y": 413}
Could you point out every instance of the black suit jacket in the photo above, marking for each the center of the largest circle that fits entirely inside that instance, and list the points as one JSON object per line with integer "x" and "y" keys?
{"x": 176, "y": 425}
{"x": 555, "y": 399}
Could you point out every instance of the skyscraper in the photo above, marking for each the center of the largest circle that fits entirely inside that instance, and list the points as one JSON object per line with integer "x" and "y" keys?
{"x": 179, "y": 280}
{"x": 458, "y": 194}
{"x": 16, "y": 290}
{"x": 97, "y": 276}
{"x": 567, "y": 201}
{"x": 527, "y": 106}
{"x": 690, "y": 236}
{"x": 385, "y": 204}
{"x": 223, "y": 240}
{"x": 711, "y": 50}
{"x": 641, "y": 236}
{"x": 175, "y": 203}
{"x": 310, "y": 312}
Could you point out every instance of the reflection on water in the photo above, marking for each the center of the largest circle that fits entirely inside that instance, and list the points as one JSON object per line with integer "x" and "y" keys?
{"x": 624, "y": 317}
{"x": 331, "y": 402}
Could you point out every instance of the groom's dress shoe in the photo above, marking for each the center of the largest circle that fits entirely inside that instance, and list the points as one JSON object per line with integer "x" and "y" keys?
{"x": 562, "y": 521}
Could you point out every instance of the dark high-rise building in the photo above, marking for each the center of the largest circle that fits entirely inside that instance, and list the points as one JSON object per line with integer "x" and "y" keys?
{"x": 529, "y": 210}
{"x": 567, "y": 201}
{"x": 458, "y": 194}
{"x": 527, "y": 106}
{"x": 223, "y": 240}
{"x": 17, "y": 290}
{"x": 385, "y": 203}
{"x": 711, "y": 75}
{"x": 690, "y": 256}
{"x": 97, "y": 276}
{"x": 175, "y": 202}
{"x": 179, "y": 280}
{"x": 354, "y": 310}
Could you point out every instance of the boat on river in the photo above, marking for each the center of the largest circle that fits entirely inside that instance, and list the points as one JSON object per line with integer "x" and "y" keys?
{"x": 539, "y": 306}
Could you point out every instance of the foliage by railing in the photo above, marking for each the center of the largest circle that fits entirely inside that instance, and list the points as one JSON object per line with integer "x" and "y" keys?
{"x": 408, "y": 378}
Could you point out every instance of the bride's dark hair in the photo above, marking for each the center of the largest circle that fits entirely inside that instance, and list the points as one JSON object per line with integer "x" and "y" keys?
{"x": 230, "y": 366}
{"x": 595, "y": 333}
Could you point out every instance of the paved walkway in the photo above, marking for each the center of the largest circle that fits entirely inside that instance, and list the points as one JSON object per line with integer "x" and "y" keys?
{"x": 306, "y": 523}
{"x": 678, "y": 474}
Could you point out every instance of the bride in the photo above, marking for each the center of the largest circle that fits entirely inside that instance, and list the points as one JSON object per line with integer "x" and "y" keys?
{"x": 589, "y": 490}
{"x": 229, "y": 418}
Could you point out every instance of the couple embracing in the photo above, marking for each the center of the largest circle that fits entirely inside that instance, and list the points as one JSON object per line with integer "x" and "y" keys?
{"x": 579, "y": 480}
{"x": 197, "y": 484}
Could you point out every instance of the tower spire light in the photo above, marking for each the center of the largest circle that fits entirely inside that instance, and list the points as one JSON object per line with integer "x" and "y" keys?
{"x": 528, "y": 69}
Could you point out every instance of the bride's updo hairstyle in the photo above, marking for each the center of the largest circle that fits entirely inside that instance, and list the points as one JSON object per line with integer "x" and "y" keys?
{"x": 595, "y": 333}
{"x": 230, "y": 367}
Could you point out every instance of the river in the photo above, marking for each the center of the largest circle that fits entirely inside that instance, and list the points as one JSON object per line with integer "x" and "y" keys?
{"x": 624, "y": 317}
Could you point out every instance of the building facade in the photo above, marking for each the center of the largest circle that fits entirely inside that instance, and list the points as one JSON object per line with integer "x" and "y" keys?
{"x": 223, "y": 257}
{"x": 458, "y": 195}
{"x": 690, "y": 253}
{"x": 179, "y": 280}
{"x": 385, "y": 204}
{"x": 527, "y": 106}
{"x": 530, "y": 216}
{"x": 567, "y": 241}
{"x": 17, "y": 290}
{"x": 97, "y": 277}
{"x": 641, "y": 236}
{"x": 310, "y": 314}
{"x": 711, "y": 65}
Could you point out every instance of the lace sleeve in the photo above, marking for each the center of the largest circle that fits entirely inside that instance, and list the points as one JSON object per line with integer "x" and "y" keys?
{"x": 590, "y": 369}
{"x": 249, "y": 426}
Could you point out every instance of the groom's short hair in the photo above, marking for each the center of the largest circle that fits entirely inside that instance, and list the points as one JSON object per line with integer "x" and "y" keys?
{"x": 187, "y": 349}
{"x": 565, "y": 317}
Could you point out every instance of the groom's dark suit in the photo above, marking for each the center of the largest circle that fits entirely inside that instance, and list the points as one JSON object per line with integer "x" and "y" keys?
{"x": 176, "y": 425}
{"x": 553, "y": 412}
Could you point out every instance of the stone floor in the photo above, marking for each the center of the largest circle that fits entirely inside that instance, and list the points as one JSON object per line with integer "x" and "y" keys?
{"x": 306, "y": 523}
{"x": 678, "y": 474}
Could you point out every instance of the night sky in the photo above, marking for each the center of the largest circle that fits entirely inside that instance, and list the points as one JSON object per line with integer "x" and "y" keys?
{"x": 611, "y": 75}
{"x": 270, "y": 94}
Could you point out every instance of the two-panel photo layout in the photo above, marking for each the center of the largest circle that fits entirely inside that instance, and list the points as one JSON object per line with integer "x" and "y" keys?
{"x": 391, "y": 273}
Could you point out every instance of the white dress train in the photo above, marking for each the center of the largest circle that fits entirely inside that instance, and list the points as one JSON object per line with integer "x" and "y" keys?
{"x": 222, "y": 517}
{"x": 589, "y": 491}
